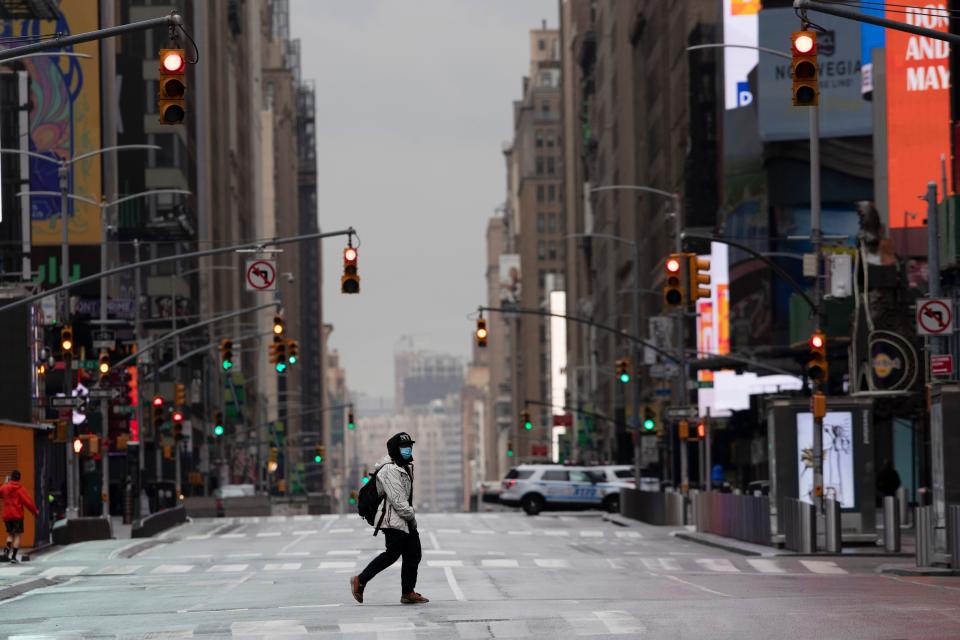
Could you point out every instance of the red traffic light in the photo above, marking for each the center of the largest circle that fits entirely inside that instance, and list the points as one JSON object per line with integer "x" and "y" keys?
{"x": 804, "y": 43}
{"x": 673, "y": 265}
{"x": 701, "y": 430}
{"x": 173, "y": 62}
{"x": 349, "y": 254}
{"x": 178, "y": 416}
{"x": 158, "y": 401}
{"x": 817, "y": 341}
{"x": 77, "y": 445}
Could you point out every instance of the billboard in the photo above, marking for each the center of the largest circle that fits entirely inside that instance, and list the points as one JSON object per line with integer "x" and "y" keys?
{"x": 713, "y": 326}
{"x": 918, "y": 113}
{"x": 64, "y": 122}
{"x": 837, "y": 457}
{"x": 739, "y": 27}
{"x": 843, "y": 111}
{"x": 509, "y": 290}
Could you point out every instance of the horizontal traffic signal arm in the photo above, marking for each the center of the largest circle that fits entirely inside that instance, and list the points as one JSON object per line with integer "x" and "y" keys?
{"x": 581, "y": 412}
{"x": 836, "y": 9}
{"x": 20, "y": 302}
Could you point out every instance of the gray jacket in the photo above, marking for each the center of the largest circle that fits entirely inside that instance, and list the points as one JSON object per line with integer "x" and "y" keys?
{"x": 394, "y": 483}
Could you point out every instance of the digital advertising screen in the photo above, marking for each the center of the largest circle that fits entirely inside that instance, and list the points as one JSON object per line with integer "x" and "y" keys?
{"x": 837, "y": 457}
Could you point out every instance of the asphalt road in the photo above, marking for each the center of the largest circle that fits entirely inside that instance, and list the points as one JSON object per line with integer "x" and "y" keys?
{"x": 502, "y": 575}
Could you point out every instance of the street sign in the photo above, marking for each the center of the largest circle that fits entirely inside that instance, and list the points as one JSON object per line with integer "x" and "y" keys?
{"x": 664, "y": 371}
{"x": 663, "y": 392}
{"x": 104, "y": 340}
{"x": 104, "y": 392}
{"x": 261, "y": 275}
{"x": 934, "y": 316}
{"x": 941, "y": 365}
{"x": 63, "y": 401}
{"x": 682, "y": 412}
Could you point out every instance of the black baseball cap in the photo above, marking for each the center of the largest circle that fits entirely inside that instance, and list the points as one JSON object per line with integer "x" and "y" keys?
{"x": 402, "y": 439}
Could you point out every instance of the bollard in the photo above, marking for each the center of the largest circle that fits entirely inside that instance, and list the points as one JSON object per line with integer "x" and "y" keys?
{"x": 808, "y": 532}
{"x": 891, "y": 524}
{"x": 953, "y": 535}
{"x": 833, "y": 536}
{"x": 924, "y": 530}
{"x": 904, "y": 507}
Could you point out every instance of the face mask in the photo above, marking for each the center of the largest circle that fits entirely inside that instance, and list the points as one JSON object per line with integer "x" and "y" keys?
{"x": 406, "y": 453}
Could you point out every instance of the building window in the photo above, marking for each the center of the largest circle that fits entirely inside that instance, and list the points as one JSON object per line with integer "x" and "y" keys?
{"x": 551, "y": 167}
{"x": 552, "y": 223}
{"x": 539, "y": 166}
{"x": 545, "y": 107}
{"x": 539, "y": 138}
{"x": 543, "y": 333}
{"x": 542, "y": 44}
{"x": 551, "y": 193}
{"x": 540, "y": 226}
{"x": 541, "y": 253}
{"x": 550, "y": 140}
{"x": 552, "y": 251}
{"x": 541, "y": 278}
{"x": 540, "y": 192}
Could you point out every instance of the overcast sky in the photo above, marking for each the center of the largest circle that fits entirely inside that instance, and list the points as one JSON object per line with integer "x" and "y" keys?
{"x": 413, "y": 104}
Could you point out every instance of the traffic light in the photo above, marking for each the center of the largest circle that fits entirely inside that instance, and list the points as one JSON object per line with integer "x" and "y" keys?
{"x": 699, "y": 271}
{"x": 353, "y": 498}
{"x": 66, "y": 341}
{"x": 177, "y": 418}
{"x": 157, "y": 413}
{"x": 292, "y": 351}
{"x": 278, "y": 325}
{"x": 481, "y": 333}
{"x": 676, "y": 282}
{"x": 77, "y": 445}
{"x": 509, "y": 449}
{"x": 623, "y": 370}
{"x": 350, "y": 281}
{"x": 525, "y": 419}
{"x": 351, "y": 425}
{"x": 279, "y": 354}
{"x": 272, "y": 463}
{"x": 171, "y": 102}
{"x": 683, "y": 430}
{"x": 179, "y": 395}
{"x": 817, "y": 367}
{"x": 320, "y": 454}
{"x": 226, "y": 354}
{"x": 805, "y": 72}
{"x": 103, "y": 365}
{"x": 697, "y": 434}
{"x": 218, "y": 424}
{"x": 649, "y": 418}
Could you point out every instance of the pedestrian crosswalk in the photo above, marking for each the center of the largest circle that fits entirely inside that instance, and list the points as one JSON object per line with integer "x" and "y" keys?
{"x": 237, "y": 530}
{"x": 351, "y": 559}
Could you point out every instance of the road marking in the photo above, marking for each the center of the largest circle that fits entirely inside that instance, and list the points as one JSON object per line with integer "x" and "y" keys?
{"x": 499, "y": 562}
{"x": 613, "y": 565}
{"x": 444, "y": 563}
{"x": 519, "y": 533}
{"x": 764, "y": 565}
{"x": 439, "y": 552}
{"x": 482, "y": 532}
{"x": 302, "y": 518}
{"x": 718, "y": 564}
{"x": 308, "y": 606}
{"x": 337, "y": 565}
{"x": 453, "y": 531}
{"x": 551, "y": 563}
{"x": 234, "y": 535}
{"x": 452, "y": 581}
{"x": 591, "y": 533}
{"x": 291, "y": 554}
{"x": 620, "y": 622}
{"x": 555, "y": 532}
{"x": 173, "y": 568}
{"x": 387, "y": 627}
{"x": 267, "y": 534}
{"x": 53, "y": 572}
{"x": 306, "y": 532}
{"x": 205, "y": 536}
{"x": 344, "y": 552}
{"x": 227, "y": 568}
{"x": 697, "y": 586}
{"x": 14, "y": 571}
{"x": 433, "y": 541}
{"x": 267, "y": 628}
{"x": 660, "y": 564}
{"x": 244, "y": 555}
{"x": 822, "y": 566}
{"x": 341, "y": 530}
{"x": 282, "y": 566}
{"x": 119, "y": 569}
{"x": 628, "y": 534}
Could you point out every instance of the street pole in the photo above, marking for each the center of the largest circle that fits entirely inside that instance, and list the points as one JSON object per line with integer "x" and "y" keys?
{"x": 637, "y": 355}
{"x": 104, "y": 403}
{"x": 72, "y": 466}
{"x": 935, "y": 347}
{"x": 816, "y": 240}
{"x": 142, "y": 504}
{"x": 684, "y": 396}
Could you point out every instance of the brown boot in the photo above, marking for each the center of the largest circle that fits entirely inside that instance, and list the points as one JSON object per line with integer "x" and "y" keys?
{"x": 357, "y": 589}
{"x": 413, "y": 598}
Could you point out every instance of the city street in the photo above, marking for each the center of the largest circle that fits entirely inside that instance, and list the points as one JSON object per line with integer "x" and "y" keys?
{"x": 499, "y": 575}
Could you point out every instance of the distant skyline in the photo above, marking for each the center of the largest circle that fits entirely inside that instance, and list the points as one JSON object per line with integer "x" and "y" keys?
{"x": 414, "y": 102}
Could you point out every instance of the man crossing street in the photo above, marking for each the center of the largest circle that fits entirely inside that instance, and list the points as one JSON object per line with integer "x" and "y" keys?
{"x": 394, "y": 481}
{"x": 14, "y": 500}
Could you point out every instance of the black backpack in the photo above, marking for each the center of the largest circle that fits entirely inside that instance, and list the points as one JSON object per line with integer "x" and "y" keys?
{"x": 368, "y": 501}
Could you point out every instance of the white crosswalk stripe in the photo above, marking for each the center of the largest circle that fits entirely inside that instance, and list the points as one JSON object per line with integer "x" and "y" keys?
{"x": 629, "y": 534}
{"x": 620, "y": 622}
{"x": 305, "y": 532}
{"x": 227, "y": 568}
{"x": 341, "y": 530}
{"x": 268, "y": 534}
{"x": 119, "y": 569}
{"x": 591, "y": 533}
{"x": 450, "y": 531}
{"x": 173, "y": 568}
{"x": 764, "y": 565}
{"x": 551, "y": 563}
{"x": 660, "y": 564}
{"x": 519, "y": 533}
{"x": 338, "y": 565}
{"x": 344, "y": 552}
{"x": 282, "y": 566}
{"x": 822, "y": 566}
{"x": 267, "y": 629}
{"x": 499, "y": 562}
{"x": 718, "y": 564}
{"x": 54, "y": 572}
{"x": 556, "y": 532}
{"x": 444, "y": 563}
{"x": 233, "y": 535}
{"x": 482, "y": 532}
{"x": 14, "y": 571}
{"x": 439, "y": 552}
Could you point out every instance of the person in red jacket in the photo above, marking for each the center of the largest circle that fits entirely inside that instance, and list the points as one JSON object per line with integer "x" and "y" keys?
{"x": 14, "y": 500}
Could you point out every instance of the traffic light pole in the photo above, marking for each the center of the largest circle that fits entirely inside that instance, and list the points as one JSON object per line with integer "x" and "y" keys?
{"x": 816, "y": 240}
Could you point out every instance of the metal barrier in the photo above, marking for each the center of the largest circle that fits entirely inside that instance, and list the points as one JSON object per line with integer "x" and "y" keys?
{"x": 833, "y": 531}
{"x": 799, "y": 520}
{"x": 742, "y": 517}
{"x": 664, "y": 509}
{"x": 891, "y": 523}
{"x": 953, "y": 535}
{"x": 154, "y": 523}
{"x": 924, "y": 516}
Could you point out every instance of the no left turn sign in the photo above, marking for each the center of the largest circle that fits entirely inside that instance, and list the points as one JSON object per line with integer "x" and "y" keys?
{"x": 261, "y": 275}
{"x": 934, "y": 316}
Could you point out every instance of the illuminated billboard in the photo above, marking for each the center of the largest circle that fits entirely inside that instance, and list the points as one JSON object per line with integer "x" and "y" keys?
{"x": 918, "y": 113}
{"x": 837, "y": 457}
{"x": 713, "y": 325}
{"x": 739, "y": 27}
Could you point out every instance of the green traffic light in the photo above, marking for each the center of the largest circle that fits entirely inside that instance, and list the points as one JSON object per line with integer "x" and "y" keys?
{"x": 292, "y": 359}
{"x": 509, "y": 453}
{"x": 317, "y": 459}
{"x": 218, "y": 430}
{"x": 352, "y": 501}
{"x": 227, "y": 365}
{"x": 351, "y": 426}
{"x": 649, "y": 424}
{"x": 624, "y": 378}
{"x": 365, "y": 480}
{"x": 528, "y": 425}
{"x": 281, "y": 367}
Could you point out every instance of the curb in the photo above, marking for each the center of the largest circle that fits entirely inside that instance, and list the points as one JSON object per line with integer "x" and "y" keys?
{"x": 20, "y": 588}
{"x": 722, "y": 545}
{"x": 907, "y": 571}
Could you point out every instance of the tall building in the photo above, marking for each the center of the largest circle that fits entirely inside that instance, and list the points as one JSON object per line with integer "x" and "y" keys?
{"x": 535, "y": 225}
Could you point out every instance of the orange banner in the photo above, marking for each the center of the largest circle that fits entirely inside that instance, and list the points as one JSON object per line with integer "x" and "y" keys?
{"x": 918, "y": 112}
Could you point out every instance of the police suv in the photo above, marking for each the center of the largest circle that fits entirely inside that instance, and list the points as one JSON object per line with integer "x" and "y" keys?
{"x": 535, "y": 487}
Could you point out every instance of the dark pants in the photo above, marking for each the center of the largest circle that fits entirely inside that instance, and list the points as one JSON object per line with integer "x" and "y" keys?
{"x": 399, "y": 544}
